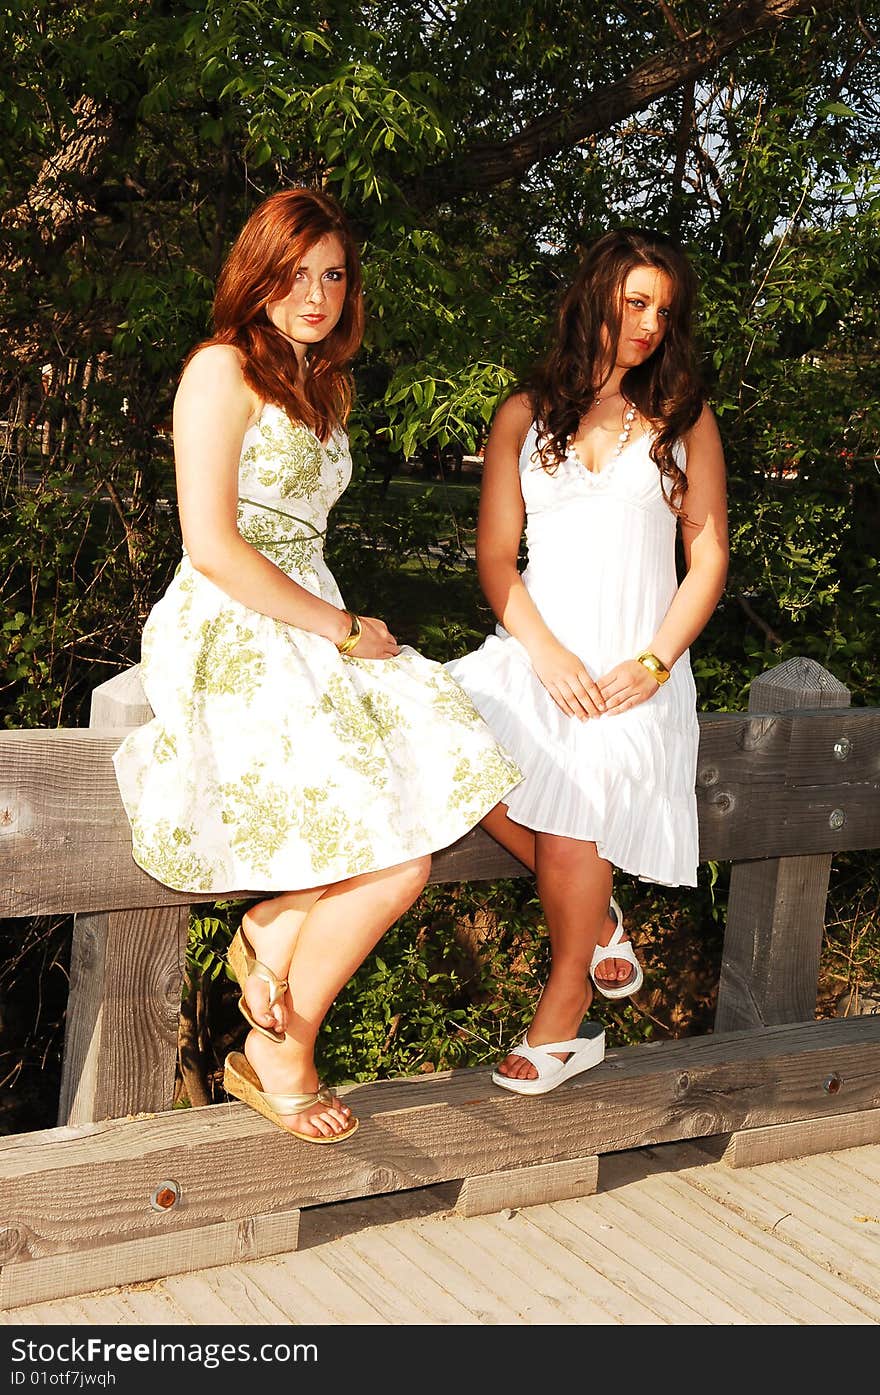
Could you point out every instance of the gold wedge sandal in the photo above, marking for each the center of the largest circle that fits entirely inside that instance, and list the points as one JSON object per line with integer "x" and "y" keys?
{"x": 242, "y": 961}
{"x": 241, "y": 1080}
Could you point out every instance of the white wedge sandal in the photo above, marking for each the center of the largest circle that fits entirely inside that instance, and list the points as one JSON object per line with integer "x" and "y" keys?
{"x": 586, "y": 1052}
{"x": 618, "y": 947}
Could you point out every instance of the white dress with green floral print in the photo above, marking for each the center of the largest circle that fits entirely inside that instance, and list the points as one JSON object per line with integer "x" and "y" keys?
{"x": 273, "y": 763}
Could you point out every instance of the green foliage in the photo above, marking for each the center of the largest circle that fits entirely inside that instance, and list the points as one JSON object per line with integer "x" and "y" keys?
{"x": 133, "y": 143}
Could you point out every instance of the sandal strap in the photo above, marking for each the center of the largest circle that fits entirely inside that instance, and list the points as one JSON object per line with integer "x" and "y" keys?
{"x": 618, "y": 947}
{"x": 615, "y": 949}
{"x": 277, "y": 986}
{"x": 295, "y": 1104}
{"x": 543, "y": 1057}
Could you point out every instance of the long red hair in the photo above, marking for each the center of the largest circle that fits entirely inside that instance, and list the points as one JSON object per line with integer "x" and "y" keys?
{"x": 259, "y": 269}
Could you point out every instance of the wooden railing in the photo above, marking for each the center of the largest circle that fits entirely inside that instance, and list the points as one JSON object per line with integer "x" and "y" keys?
{"x": 780, "y": 789}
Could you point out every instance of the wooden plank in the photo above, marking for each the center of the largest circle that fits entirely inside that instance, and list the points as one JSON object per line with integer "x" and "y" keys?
{"x": 659, "y": 1281}
{"x": 777, "y": 1260}
{"x": 746, "y": 1258}
{"x": 121, "y": 1026}
{"x": 454, "y": 1260}
{"x": 120, "y": 1046}
{"x": 527, "y": 1186}
{"x": 67, "y": 1189}
{"x": 803, "y": 1138}
{"x": 776, "y": 907}
{"x": 120, "y": 702}
{"x": 637, "y": 1211}
{"x": 783, "y": 1202}
{"x": 392, "y": 1268}
{"x": 135, "y": 1260}
{"x": 67, "y": 846}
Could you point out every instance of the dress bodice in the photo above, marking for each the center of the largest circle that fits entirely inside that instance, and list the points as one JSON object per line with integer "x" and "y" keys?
{"x": 631, "y": 478}
{"x": 601, "y": 549}
{"x": 288, "y": 481}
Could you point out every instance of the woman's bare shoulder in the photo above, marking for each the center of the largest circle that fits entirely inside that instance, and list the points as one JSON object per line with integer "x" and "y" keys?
{"x": 705, "y": 429}
{"x": 514, "y": 418}
{"x": 215, "y": 372}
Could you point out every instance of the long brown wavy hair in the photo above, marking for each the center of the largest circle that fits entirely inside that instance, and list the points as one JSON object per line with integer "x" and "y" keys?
{"x": 665, "y": 389}
{"x": 259, "y": 269}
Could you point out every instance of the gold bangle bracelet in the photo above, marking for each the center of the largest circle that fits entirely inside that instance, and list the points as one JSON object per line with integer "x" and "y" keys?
{"x": 655, "y": 666}
{"x": 346, "y": 645}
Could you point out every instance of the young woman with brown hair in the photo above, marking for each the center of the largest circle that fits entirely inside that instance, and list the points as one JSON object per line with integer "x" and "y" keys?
{"x": 297, "y": 749}
{"x": 607, "y": 451}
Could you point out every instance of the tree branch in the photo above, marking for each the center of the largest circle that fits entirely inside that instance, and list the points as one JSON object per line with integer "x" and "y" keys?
{"x": 482, "y": 164}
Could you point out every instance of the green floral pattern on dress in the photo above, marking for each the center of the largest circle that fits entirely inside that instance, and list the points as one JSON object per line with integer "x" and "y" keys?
{"x": 174, "y": 859}
{"x": 273, "y": 763}
{"x": 228, "y": 663}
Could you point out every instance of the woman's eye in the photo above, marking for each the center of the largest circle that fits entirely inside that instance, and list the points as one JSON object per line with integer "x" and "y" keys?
{"x": 636, "y": 304}
{"x": 664, "y": 313}
{"x": 335, "y": 275}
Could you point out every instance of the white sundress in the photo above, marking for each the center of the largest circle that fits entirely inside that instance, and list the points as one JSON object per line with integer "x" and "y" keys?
{"x": 601, "y": 571}
{"x": 274, "y": 763}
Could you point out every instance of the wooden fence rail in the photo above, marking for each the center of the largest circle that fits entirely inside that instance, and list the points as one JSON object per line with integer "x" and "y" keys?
{"x": 780, "y": 789}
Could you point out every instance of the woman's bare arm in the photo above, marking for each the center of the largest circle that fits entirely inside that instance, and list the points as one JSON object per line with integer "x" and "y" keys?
{"x": 704, "y": 540}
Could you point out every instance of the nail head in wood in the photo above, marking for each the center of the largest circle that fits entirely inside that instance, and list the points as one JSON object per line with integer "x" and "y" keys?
{"x": 165, "y": 1196}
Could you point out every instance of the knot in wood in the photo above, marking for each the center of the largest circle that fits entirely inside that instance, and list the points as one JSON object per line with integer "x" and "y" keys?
{"x": 13, "y": 1239}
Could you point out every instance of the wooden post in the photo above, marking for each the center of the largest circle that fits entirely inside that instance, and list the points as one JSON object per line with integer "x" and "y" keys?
{"x": 776, "y": 911}
{"x": 126, "y": 969}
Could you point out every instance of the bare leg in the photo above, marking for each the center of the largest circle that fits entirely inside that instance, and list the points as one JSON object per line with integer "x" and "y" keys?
{"x": 334, "y": 938}
{"x": 520, "y": 841}
{"x": 515, "y": 837}
{"x": 574, "y": 884}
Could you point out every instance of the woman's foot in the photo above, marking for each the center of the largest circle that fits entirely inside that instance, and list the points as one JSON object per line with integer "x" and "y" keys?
{"x": 560, "y": 1012}
{"x": 291, "y": 1071}
{"x": 611, "y": 973}
{"x": 265, "y": 990}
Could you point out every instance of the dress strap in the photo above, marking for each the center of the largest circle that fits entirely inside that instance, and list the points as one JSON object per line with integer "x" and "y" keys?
{"x": 310, "y": 535}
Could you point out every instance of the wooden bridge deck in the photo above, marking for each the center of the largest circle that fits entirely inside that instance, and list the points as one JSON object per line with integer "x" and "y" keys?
{"x": 672, "y": 1237}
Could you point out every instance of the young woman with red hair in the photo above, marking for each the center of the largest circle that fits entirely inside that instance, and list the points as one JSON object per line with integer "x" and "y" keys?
{"x": 297, "y": 749}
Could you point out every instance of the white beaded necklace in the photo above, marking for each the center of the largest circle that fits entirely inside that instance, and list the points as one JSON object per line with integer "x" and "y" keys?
{"x": 629, "y": 417}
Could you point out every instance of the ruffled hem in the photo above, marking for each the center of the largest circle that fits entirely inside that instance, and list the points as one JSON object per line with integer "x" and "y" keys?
{"x": 301, "y": 876}
{"x": 626, "y": 785}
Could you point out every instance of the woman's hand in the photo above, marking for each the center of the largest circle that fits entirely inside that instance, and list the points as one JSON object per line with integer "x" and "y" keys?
{"x": 568, "y": 683}
{"x": 376, "y": 641}
{"x": 626, "y": 685}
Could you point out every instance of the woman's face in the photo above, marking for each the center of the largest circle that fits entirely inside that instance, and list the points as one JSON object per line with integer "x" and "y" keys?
{"x": 647, "y": 297}
{"x": 315, "y": 301}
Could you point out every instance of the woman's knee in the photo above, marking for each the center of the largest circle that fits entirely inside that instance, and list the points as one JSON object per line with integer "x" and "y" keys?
{"x": 413, "y": 876}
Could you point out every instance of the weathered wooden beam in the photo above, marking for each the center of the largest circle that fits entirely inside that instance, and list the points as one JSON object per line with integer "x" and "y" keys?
{"x": 120, "y": 1038}
{"x": 768, "y": 785}
{"x": 801, "y": 1139}
{"x": 63, "y": 1190}
{"x": 528, "y": 1186}
{"x": 126, "y": 970}
{"x": 182, "y": 1252}
{"x": 776, "y": 906}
